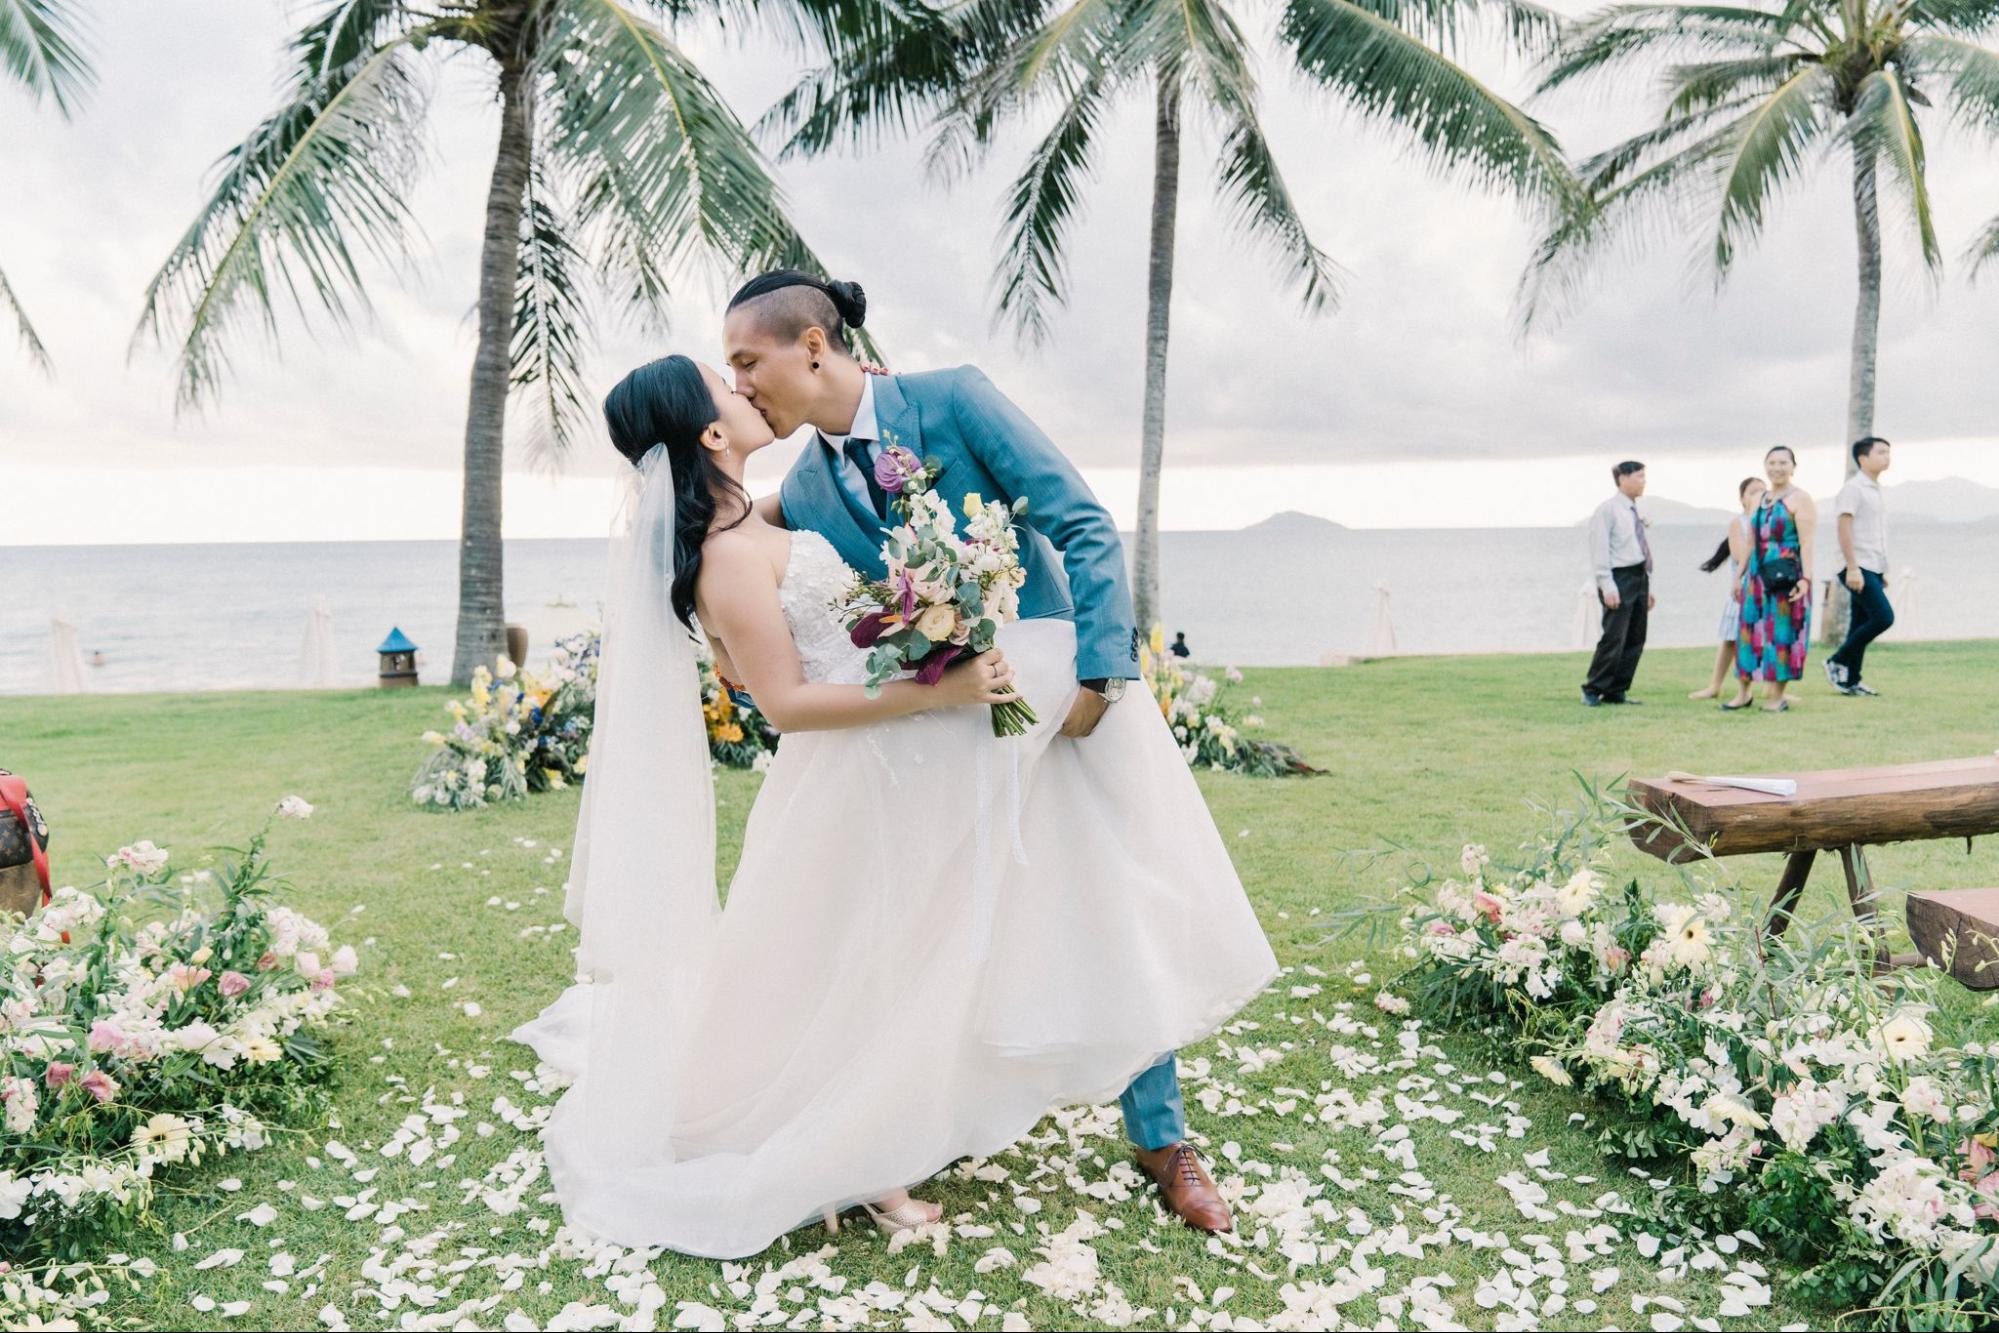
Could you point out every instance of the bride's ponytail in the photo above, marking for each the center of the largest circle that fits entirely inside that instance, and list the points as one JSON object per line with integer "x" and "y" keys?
{"x": 667, "y": 402}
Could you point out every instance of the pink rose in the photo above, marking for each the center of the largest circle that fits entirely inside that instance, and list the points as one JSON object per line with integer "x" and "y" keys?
{"x": 268, "y": 963}
{"x": 106, "y": 1035}
{"x": 186, "y": 976}
{"x": 58, "y": 1073}
{"x": 232, "y": 984}
{"x": 325, "y": 979}
{"x": 99, "y": 1085}
{"x": 1486, "y": 906}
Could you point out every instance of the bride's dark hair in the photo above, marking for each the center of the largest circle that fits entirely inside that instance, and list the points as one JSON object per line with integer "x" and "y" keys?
{"x": 668, "y": 402}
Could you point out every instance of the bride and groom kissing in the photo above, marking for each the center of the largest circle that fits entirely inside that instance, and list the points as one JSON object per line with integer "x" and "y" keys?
{"x": 934, "y": 935}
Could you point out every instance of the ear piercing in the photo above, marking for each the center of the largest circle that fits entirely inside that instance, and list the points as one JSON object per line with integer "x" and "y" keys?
{"x": 815, "y": 365}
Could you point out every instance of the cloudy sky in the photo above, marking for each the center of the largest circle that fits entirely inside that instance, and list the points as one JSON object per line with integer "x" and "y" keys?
{"x": 1417, "y": 403}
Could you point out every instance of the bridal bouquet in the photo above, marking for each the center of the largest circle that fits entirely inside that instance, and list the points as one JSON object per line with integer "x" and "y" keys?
{"x": 946, "y": 595}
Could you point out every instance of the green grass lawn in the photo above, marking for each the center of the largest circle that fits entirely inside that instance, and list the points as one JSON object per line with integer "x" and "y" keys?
{"x": 454, "y": 917}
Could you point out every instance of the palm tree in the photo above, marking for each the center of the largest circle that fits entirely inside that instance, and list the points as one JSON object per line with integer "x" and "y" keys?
{"x": 979, "y": 64}
{"x": 618, "y": 166}
{"x": 1755, "y": 98}
{"x": 40, "y": 49}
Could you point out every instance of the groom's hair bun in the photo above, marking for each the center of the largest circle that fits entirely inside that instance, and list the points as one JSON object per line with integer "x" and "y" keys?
{"x": 850, "y": 300}
{"x": 788, "y": 301}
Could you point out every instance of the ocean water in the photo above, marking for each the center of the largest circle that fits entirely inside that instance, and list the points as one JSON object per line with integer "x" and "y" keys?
{"x": 1288, "y": 592}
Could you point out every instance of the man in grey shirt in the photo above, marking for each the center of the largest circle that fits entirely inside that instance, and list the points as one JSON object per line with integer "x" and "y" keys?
{"x": 1621, "y": 559}
{"x": 1863, "y": 541}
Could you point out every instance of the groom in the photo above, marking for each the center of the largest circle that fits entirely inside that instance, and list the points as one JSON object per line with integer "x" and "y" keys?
{"x": 786, "y": 341}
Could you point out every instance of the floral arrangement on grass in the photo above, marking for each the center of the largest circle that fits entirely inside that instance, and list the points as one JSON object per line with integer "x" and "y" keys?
{"x": 1211, "y": 733}
{"x": 517, "y": 733}
{"x": 1848, "y": 1118}
{"x": 739, "y": 735}
{"x": 152, "y": 1024}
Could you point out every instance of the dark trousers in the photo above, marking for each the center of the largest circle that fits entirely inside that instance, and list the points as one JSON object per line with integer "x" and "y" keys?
{"x": 1623, "y": 639}
{"x": 1872, "y": 615}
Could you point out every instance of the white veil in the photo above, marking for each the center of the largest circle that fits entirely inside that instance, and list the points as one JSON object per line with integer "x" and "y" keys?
{"x": 642, "y": 875}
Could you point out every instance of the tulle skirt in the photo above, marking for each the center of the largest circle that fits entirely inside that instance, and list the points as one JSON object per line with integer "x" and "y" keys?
{"x": 933, "y": 937}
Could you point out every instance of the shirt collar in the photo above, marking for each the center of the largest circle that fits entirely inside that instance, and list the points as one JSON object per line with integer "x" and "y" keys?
{"x": 865, "y": 426}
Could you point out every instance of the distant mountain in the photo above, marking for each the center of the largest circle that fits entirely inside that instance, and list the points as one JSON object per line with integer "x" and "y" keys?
{"x": 1291, "y": 521}
{"x": 1951, "y": 500}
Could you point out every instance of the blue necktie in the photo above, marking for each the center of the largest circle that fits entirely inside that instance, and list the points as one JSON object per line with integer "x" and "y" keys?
{"x": 857, "y": 450}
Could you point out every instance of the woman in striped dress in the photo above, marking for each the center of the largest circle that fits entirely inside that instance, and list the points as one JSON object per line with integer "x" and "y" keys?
{"x": 1776, "y": 621}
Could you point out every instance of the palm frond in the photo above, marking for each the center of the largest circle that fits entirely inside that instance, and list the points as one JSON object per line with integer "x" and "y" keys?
{"x": 1611, "y": 37}
{"x": 551, "y": 322}
{"x": 1213, "y": 57}
{"x": 1639, "y": 210}
{"x": 1968, "y": 18}
{"x": 1967, "y": 72}
{"x": 1459, "y": 125}
{"x": 1712, "y": 83}
{"x": 41, "y": 48}
{"x": 1260, "y": 203}
{"x": 1883, "y": 127}
{"x": 1088, "y": 42}
{"x": 38, "y": 355}
{"x": 1985, "y": 248}
{"x": 330, "y": 170}
{"x": 1768, "y": 150}
{"x": 1032, "y": 274}
{"x": 894, "y": 81}
{"x": 342, "y": 32}
{"x": 669, "y": 176}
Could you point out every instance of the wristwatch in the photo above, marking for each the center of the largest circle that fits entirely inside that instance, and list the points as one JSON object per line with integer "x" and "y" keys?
{"x": 1112, "y": 689}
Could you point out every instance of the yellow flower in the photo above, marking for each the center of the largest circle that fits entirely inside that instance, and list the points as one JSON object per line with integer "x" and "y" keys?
{"x": 554, "y": 776}
{"x": 1158, "y": 641}
{"x": 582, "y": 765}
{"x": 261, "y": 1050}
{"x": 973, "y": 504}
{"x": 730, "y": 733}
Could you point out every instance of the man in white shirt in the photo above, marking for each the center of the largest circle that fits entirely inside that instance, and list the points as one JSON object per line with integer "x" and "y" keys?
{"x": 1621, "y": 558}
{"x": 1863, "y": 541}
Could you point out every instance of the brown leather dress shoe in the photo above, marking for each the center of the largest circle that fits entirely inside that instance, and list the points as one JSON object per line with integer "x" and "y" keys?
{"x": 1178, "y": 1172}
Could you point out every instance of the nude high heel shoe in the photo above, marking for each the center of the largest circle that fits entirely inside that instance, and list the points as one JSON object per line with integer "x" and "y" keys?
{"x": 905, "y": 1216}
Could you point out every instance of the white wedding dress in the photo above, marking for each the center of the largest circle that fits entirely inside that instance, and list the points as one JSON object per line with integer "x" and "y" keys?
{"x": 933, "y": 937}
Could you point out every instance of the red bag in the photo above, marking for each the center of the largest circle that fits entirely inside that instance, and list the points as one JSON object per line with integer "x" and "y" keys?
{"x": 24, "y": 842}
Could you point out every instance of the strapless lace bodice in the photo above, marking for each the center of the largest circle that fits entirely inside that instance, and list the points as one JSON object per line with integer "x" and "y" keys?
{"x": 813, "y": 577}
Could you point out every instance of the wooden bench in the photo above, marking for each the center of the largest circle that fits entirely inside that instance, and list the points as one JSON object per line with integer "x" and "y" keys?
{"x": 1959, "y": 929}
{"x": 1837, "y": 810}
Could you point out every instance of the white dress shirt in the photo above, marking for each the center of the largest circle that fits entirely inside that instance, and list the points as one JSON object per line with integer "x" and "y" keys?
{"x": 1613, "y": 539}
{"x": 864, "y": 429}
{"x": 1862, "y": 498}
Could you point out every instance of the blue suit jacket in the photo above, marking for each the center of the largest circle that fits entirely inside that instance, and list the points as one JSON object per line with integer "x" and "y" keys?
{"x": 983, "y": 443}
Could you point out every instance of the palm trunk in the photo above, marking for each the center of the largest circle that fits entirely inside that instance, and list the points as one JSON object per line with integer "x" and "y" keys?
{"x": 1158, "y": 305}
{"x": 481, "y": 600}
{"x": 1860, "y": 375}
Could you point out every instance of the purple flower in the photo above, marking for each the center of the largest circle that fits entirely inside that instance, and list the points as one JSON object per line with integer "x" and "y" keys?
{"x": 931, "y": 669}
{"x": 868, "y": 630}
{"x": 905, "y": 588}
{"x": 895, "y": 466}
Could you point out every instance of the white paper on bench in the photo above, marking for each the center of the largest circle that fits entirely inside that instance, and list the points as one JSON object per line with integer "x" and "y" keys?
{"x": 1785, "y": 787}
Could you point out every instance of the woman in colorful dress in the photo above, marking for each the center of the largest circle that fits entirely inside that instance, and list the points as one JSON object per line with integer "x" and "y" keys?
{"x": 1733, "y": 552}
{"x": 1776, "y": 619}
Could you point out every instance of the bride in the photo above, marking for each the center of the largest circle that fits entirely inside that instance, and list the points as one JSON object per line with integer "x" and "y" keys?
{"x": 933, "y": 936}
